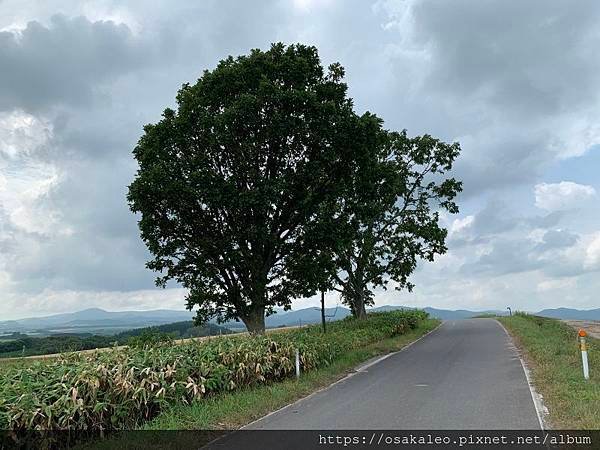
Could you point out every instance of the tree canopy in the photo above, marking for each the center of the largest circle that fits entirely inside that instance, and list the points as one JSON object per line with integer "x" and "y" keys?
{"x": 390, "y": 215}
{"x": 231, "y": 181}
{"x": 264, "y": 185}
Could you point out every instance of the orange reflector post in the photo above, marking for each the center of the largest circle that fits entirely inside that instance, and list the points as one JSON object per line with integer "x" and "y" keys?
{"x": 584, "y": 356}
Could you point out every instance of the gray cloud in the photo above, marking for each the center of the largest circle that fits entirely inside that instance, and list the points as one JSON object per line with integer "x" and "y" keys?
{"x": 510, "y": 255}
{"x": 506, "y": 251}
{"x": 507, "y": 256}
{"x": 546, "y": 221}
{"x": 520, "y": 58}
{"x": 497, "y": 218}
{"x": 554, "y": 239}
{"x": 508, "y": 79}
{"x": 66, "y": 62}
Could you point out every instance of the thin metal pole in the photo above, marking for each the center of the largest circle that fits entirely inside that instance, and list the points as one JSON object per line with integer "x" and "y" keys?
{"x": 323, "y": 311}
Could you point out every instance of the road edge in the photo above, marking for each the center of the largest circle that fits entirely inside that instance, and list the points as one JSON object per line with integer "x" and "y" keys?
{"x": 538, "y": 401}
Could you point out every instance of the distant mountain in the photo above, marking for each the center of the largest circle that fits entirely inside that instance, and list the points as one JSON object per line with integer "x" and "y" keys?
{"x": 304, "y": 316}
{"x": 442, "y": 314}
{"x": 96, "y": 318}
{"x": 313, "y": 315}
{"x": 445, "y": 314}
{"x": 571, "y": 314}
{"x": 293, "y": 318}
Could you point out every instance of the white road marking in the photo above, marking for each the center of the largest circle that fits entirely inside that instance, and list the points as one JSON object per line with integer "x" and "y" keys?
{"x": 372, "y": 363}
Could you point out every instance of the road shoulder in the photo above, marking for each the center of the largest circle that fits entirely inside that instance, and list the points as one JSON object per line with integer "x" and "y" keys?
{"x": 550, "y": 349}
{"x": 538, "y": 399}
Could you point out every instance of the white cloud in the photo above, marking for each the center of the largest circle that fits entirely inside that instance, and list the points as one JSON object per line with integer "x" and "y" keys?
{"x": 592, "y": 252}
{"x": 21, "y": 133}
{"x": 309, "y": 5}
{"x": 580, "y": 133}
{"x": 459, "y": 225}
{"x": 556, "y": 284}
{"x": 26, "y": 180}
{"x": 99, "y": 12}
{"x": 23, "y": 199}
{"x": 563, "y": 195}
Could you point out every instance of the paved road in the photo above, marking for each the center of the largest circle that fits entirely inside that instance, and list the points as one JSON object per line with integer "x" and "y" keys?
{"x": 464, "y": 375}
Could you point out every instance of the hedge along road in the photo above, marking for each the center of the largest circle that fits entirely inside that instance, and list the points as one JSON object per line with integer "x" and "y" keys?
{"x": 464, "y": 375}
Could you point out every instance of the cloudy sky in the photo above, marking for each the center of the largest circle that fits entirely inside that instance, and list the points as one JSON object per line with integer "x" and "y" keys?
{"x": 516, "y": 83}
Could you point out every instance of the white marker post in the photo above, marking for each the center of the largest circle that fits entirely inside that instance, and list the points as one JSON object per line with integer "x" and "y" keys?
{"x": 584, "y": 357}
{"x": 297, "y": 364}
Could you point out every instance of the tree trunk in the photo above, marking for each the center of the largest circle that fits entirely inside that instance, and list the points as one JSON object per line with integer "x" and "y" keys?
{"x": 362, "y": 312}
{"x": 359, "y": 307}
{"x": 359, "y": 295}
{"x": 255, "y": 320}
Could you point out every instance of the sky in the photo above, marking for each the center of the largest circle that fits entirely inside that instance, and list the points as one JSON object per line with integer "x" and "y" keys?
{"x": 516, "y": 83}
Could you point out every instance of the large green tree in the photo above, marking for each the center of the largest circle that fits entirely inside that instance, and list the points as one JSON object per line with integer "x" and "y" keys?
{"x": 388, "y": 217}
{"x": 232, "y": 185}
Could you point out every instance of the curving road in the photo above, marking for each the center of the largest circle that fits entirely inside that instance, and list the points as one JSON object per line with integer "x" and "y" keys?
{"x": 464, "y": 375}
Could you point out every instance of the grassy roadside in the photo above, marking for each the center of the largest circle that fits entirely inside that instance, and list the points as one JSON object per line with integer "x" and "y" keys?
{"x": 551, "y": 350}
{"x": 235, "y": 409}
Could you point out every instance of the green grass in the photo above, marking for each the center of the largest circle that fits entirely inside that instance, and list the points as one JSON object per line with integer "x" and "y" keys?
{"x": 234, "y": 409}
{"x": 552, "y": 352}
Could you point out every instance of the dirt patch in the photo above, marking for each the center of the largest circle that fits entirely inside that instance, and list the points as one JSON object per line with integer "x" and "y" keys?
{"x": 590, "y": 326}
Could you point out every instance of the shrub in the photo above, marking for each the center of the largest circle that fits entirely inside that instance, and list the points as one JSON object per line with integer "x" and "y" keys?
{"x": 149, "y": 338}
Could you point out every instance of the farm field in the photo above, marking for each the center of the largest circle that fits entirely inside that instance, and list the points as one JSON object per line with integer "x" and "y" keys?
{"x": 24, "y": 345}
{"x": 592, "y": 327}
{"x": 26, "y": 360}
{"x": 126, "y": 388}
{"x": 550, "y": 348}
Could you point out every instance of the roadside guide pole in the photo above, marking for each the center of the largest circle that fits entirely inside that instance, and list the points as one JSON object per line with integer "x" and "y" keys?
{"x": 323, "y": 311}
{"x": 584, "y": 357}
{"x": 297, "y": 364}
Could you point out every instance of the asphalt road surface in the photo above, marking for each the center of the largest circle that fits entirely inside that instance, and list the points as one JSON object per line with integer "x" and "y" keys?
{"x": 464, "y": 375}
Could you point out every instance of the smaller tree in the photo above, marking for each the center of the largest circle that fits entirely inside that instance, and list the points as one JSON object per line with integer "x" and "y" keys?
{"x": 389, "y": 218}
